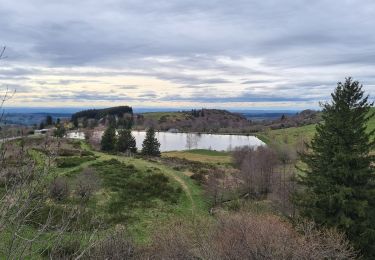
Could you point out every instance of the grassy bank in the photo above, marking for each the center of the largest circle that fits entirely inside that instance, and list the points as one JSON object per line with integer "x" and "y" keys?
{"x": 201, "y": 155}
{"x": 295, "y": 135}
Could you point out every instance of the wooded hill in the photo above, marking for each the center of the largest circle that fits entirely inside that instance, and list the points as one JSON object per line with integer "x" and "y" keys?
{"x": 121, "y": 115}
{"x": 195, "y": 120}
{"x": 221, "y": 121}
{"x": 100, "y": 113}
{"x": 202, "y": 120}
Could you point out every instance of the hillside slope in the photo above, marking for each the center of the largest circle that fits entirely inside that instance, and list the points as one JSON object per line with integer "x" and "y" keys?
{"x": 203, "y": 120}
{"x": 295, "y": 135}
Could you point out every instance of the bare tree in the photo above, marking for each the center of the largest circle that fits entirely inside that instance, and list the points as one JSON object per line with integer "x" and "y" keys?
{"x": 214, "y": 186}
{"x": 284, "y": 181}
{"x": 29, "y": 226}
{"x": 248, "y": 236}
{"x": 256, "y": 169}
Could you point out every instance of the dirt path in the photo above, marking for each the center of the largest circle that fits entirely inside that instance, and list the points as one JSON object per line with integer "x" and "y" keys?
{"x": 186, "y": 189}
{"x": 169, "y": 172}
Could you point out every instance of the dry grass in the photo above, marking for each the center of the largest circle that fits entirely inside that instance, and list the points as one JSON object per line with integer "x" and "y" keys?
{"x": 201, "y": 156}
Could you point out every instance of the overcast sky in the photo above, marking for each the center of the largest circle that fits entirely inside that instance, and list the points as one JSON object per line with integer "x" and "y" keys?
{"x": 188, "y": 53}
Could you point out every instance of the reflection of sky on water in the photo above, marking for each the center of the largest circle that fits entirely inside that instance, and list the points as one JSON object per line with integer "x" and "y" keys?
{"x": 184, "y": 141}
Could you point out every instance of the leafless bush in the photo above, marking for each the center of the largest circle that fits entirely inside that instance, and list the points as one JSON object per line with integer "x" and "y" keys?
{"x": 249, "y": 236}
{"x": 284, "y": 181}
{"x": 93, "y": 138}
{"x": 268, "y": 237}
{"x": 59, "y": 189}
{"x": 180, "y": 240}
{"x": 323, "y": 243}
{"x": 214, "y": 185}
{"x": 87, "y": 183}
{"x": 257, "y": 167}
{"x": 27, "y": 224}
{"x": 116, "y": 246}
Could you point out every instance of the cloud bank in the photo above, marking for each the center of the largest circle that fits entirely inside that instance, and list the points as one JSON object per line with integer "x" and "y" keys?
{"x": 185, "y": 53}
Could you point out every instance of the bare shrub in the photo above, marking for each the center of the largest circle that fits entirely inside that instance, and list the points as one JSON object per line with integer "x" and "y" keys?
{"x": 248, "y": 236}
{"x": 284, "y": 180}
{"x": 116, "y": 246}
{"x": 244, "y": 236}
{"x": 180, "y": 240}
{"x": 214, "y": 185}
{"x": 257, "y": 167}
{"x": 323, "y": 243}
{"x": 87, "y": 183}
{"x": 59, "y": 189}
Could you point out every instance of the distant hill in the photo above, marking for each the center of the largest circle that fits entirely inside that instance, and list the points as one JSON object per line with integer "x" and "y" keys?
{"x": 202, "y": 120}
{"x": 29, "y": 119}
{"x": 100, "y": 113}
{"x": 121, "y": 115}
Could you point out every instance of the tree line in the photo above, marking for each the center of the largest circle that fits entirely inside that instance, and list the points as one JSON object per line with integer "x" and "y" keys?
{"x": 125, "y": 142}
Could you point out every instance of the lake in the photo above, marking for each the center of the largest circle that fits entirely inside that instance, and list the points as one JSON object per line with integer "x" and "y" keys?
{"x": 186, "y": 141}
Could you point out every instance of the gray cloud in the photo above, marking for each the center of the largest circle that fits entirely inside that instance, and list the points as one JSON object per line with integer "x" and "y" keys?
{"x": 126, "y": 87}
{"x": 287, "y": 50}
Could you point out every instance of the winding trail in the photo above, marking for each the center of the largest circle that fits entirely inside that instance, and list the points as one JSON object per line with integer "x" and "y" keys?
{"x": 165, "y": 169}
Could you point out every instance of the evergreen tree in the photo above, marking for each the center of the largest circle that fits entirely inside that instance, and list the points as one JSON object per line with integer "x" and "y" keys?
{"x": 59, "y": 131}
{"x": 108, "y": 142}
{"x": 339, "y": 182}
{"x": 75, "y": 122}
{"x": 49, "y": 120}
{"x": 126, "y": 141}
{"x": 151, "y": 145}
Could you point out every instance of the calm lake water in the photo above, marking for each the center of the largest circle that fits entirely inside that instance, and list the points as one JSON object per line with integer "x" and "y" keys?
{"x": 186, "y": 141}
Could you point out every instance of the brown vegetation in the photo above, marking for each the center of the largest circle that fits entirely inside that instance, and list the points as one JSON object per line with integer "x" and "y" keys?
{"x": 247, "y": 236}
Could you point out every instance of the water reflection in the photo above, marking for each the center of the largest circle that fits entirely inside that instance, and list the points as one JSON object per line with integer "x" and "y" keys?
{"x": 186, "y": 141}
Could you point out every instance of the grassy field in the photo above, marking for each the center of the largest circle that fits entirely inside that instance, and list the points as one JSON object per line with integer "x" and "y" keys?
{"x": 135, "y": 194}
{"x": 289, "y": 136}
{"x": 200, "y": 155}
{"x": 294, "y": 135}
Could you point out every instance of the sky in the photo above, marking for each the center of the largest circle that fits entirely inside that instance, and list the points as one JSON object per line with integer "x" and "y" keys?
{"x": 241, "y": 54}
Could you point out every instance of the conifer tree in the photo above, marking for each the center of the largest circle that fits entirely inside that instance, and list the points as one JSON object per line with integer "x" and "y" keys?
{"x": 49, "y": 120}
{"x": 151, "y": 145}
{"x": 339, "y": 182}
{"x": 126, "y": 141}
{"x": 60, "y": 131}
{"x": 108, "y": 142}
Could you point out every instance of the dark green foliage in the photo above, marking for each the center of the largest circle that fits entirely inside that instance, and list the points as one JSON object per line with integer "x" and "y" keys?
{"x": 75, "y": 122}
{"x": 49, "y": 120}
{"x": 67, "y": 162}
{"x": 125, "y": 122}
{"x": 67, "y": 152}
{"x": 59, "y": 131}
{"x": 126, "y": 141}
{"x": 197, "y": 113}
{"x": 151, "y": 145}
{"x": 339, "y": 181}
{"x": 100, "y": 113}
{"x": 134, "y": 188}
{"x": 108, "y": 142}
